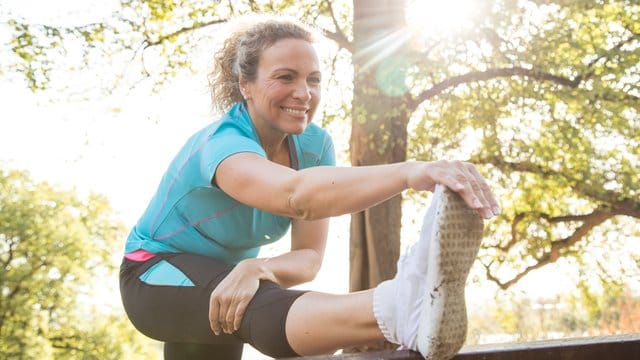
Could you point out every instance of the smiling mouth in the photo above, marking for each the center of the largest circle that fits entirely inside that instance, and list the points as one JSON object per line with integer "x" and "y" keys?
{"x": 298, "y": 112}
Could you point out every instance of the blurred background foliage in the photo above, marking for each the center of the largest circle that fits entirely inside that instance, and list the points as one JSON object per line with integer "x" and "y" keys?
{"x": 56, "y": 250}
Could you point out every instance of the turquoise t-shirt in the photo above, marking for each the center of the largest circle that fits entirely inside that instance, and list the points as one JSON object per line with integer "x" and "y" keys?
{"x": 189, "y": 214}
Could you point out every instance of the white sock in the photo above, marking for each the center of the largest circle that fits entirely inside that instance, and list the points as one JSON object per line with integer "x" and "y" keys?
{"x": 384, "y": 309}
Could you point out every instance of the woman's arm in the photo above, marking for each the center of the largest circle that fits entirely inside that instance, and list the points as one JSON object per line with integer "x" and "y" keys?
{"x": 231, "y": 297}
{"x": 302, "y": 263}
{"x": 325, "y": 191}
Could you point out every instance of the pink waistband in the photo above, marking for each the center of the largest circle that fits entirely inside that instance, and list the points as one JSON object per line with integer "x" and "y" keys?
{"x": 139, "y": 255}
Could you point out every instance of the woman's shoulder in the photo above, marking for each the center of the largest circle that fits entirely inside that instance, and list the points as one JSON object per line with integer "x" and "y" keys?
{"x": 235, "y": 121}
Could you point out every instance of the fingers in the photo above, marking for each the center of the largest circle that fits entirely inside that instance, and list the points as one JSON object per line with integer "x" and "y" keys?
{"x": 474, "y": 186}
{"x": 225, "y": 315}
{"x": 214, "y": 314}
{"x": 230, "y": 298}
{"x": 488, "y": 199}
{"x": 221, "y": 314}
{"x": 465, "y": 179}
{"x": 239, "y": 313}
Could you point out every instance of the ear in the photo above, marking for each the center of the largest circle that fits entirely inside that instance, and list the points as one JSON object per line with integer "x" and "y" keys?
{"x": 245, "y": 90}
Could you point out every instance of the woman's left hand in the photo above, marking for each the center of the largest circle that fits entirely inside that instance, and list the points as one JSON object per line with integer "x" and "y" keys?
{"x": 230, "y": 298}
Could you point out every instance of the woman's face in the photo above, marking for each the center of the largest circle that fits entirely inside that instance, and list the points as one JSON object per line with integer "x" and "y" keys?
{"x": 286, "y": 92}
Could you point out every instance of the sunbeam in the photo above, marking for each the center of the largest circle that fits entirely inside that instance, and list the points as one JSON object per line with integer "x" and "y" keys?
{"x": 382, "y": 48}
{"x": 437, "y": 17}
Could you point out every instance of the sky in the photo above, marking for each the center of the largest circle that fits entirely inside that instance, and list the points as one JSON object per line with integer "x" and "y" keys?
{"x": 110, "y": 145}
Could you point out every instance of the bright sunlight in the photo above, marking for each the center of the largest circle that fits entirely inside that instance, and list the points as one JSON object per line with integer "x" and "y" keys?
{"x": 438, "y": 17}
{"x": 426, "y": 18}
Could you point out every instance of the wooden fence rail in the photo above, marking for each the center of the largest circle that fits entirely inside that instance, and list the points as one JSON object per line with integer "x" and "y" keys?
{"x": 616, "y": 347}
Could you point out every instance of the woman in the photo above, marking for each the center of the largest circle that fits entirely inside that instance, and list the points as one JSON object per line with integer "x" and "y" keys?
{"x": 190, "y": 276}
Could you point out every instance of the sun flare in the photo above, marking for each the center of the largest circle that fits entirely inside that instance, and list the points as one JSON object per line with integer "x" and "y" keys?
{"x": 439, "y": 17}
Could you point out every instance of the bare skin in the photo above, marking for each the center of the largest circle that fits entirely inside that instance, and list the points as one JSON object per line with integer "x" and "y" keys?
{"x": 321, "y": 323}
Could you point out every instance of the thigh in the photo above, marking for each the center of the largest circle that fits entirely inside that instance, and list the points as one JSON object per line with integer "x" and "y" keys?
{"x": 190, "y": 351}
{"x": 173, "y": 305}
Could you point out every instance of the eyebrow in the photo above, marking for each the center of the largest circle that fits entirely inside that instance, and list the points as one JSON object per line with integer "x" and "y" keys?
{"x": 317, "y": 72}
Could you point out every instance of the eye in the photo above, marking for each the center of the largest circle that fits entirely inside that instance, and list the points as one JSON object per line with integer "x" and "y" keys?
{"x": 286, "y": 77}
{"x": 315, "y": 80}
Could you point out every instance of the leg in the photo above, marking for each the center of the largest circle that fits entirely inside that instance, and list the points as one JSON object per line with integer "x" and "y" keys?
{"x": 167, "y": 299}
{"x": 321, "y": 323}
{"x": 422, "y": 308}
{"x": 278, "y": 322}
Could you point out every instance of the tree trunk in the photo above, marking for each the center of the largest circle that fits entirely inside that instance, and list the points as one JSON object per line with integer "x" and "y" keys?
{"x": 378, "y": 136}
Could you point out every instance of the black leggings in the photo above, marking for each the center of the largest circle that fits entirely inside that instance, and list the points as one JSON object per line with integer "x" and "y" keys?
{"x": 179, "y": 315}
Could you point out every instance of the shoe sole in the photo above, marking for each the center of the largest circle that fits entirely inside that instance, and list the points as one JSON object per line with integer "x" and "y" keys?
{"x": 456, "y": 239}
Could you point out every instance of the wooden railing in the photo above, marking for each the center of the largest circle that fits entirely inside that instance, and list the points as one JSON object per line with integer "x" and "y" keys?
{"x": 615, "y": 347}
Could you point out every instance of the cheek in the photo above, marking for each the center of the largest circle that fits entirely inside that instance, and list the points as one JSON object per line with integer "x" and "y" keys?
{"x": 269, "y": 89}
{"x": 316, "y": 97}
{"x": 270, "y": 86}
{"x": 316, "y": 94}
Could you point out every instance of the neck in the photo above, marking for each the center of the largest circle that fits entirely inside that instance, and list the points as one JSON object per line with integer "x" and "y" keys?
{"x": 275, "y": 147}
{"x": 273, "y": 141}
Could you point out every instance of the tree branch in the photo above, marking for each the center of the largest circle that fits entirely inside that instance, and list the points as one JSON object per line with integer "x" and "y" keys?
{"x": 29, "y": 274}
{"x": 148, "y": 43}
{"x": 567, "y": 218}
{"x": 64, "y": 343}
{"x": 475, "y": 76}
{"x": 338, "y": 35}
{"x": 590, "y": 221}
{"x": 514, "y": 233}
{"x": 618, "y": 203}
{"x": 11, "y": 244}
{"x": 617, "y": 47}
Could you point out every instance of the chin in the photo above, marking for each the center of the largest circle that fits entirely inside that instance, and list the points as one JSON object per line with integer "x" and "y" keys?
{"x": 298, "y": 127}
{"x": 298, "y": 130}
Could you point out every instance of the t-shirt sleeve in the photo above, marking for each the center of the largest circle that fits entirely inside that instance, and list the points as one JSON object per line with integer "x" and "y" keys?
{"x": 328, "y": 157}
{"x": 220, "y": 147}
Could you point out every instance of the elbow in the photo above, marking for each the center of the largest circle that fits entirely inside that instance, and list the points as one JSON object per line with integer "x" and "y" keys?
{"x": 301, "y": 208}
{"x": 312, "y": 269}
{"x": 311, "y": 276}
{"x": 306, "y": 201}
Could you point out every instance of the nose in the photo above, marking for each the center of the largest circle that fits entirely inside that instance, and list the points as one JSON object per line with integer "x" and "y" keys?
{"x": 302, "y": 91}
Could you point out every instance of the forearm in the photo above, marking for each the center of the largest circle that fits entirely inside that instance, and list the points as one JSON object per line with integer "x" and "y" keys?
{"x": 289, "y": 269}
{"x": 322, "y": 192}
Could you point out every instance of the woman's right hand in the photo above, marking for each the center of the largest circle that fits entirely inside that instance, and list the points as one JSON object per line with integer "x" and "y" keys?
{"x": 230, "y": 298}
{"x": 460, "y": 177}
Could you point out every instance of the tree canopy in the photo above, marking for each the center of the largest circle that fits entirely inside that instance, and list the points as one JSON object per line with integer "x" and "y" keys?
{"x": 56, "y": 249}
{"x": 543, "y": 94}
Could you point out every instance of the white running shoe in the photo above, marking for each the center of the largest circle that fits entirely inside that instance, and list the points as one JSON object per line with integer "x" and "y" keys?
{"x": 423, "y": 306}
{"x": 456, "y": 238}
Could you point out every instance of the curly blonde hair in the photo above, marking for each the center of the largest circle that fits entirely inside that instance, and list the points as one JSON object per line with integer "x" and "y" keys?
{"x": 240, "y": 54}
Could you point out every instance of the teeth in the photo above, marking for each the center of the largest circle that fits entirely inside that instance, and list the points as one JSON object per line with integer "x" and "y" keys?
{"x": 294, "y": 111}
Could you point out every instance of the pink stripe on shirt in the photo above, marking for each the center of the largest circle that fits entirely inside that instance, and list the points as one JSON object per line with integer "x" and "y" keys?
{"x": 139, "y": 255}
